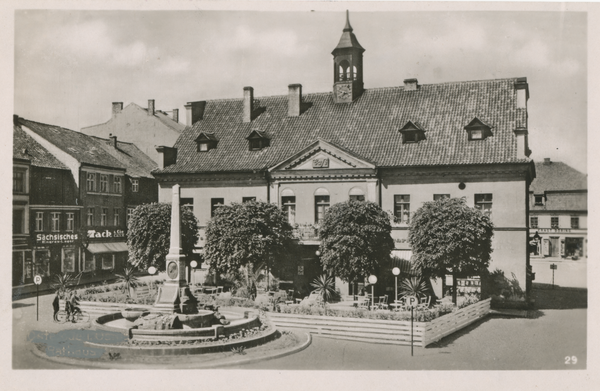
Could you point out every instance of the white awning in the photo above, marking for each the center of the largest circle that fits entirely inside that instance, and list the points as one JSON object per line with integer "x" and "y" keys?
{"x": 114, "y": 247}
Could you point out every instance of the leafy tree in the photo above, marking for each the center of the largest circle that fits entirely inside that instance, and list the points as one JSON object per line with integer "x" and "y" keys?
{"x": 247, "y": 234}
{"x": 449, "y": 237}
{"x": 355, "y": 240}
{"x": 149, "y": 234}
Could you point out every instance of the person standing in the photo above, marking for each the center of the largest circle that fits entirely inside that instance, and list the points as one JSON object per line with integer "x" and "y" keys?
{"x": 56, "y": 305}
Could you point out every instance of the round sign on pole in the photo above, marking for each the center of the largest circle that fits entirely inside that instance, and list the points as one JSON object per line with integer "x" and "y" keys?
{"x": 37, "y": 280}
{"x": 412, "y": 301}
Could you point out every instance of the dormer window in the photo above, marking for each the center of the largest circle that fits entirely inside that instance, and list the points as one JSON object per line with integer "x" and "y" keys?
{"x": 478, "y": 130}
{"x": 539, "y": 199}
{"x": 257, "y": 140}
{"x": 206, "y": 141}
{"x": 412, "y": 132}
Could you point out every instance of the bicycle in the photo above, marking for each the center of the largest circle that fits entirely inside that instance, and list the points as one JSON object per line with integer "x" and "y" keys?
{"x": 77, "y": 317}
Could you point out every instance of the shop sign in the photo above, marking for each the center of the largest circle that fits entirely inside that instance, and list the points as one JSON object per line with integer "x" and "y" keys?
{"x": 554, "y": 230}
{"x": 55, "y": 238}
{"x": 105, "y": 233}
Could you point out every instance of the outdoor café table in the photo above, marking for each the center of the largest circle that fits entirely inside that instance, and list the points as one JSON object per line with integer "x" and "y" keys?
{"x": 396, "y": 304}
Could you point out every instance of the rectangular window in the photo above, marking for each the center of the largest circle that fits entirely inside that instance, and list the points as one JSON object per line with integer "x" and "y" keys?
{"x": 117, "y": 217}
{"x": 483, "y": 202}
{"x": 215, "y": 203}
{"x": 135, "y": 185}
{"x": 437, "y": 197}
{"x": 41, "y": 263}
{"x": 321, "y": 206}
{"x": 90, "y": 217}
{"x": 117, "y": 184}
{"x": 39, "y": 221}
{"x": 203, "y": 147}
{"x": 554, "y": 222}
{"x": 108, "y": 261}
{"x": 476, "y": 134}
{"x": 18, "y": 221}
{"x": 129, "y": 213}
{"x": 534, "y": 222}
{"x": 575, "y": 222}
{"x": 187, "y": 203}
{"x": 402, "y": 208}
{"x": 248, "y": 199}
{"x": 289, "y": 208}
{"x": 55, "y": 221}
{"x": 89, "y": 262}
{"x": 104, "y": 217}
{"x": 104, "y": 183}
{"x": 255, "y": 144}
{"x": 539, "y": 199}
{"x": 19, "y": 181}
{"x": 69, "y": 259}
{"x": 91, "y": 181}
{"x": 70, "y": 222}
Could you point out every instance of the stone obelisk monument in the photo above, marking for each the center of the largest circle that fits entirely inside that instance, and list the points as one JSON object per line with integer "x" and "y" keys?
{"x": 174, "y": 295}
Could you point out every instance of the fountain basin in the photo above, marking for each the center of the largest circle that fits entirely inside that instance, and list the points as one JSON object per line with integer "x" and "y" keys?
{"x": 132, "y": 314}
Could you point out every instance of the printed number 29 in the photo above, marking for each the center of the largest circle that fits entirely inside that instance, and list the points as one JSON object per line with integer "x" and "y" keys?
{"x": 571, "y": 360}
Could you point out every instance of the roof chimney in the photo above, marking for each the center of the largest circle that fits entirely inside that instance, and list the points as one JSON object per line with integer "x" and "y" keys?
{"x": 150, "y": 106}
{"x": 411, "y": 84}
{"x": 294, "y": 99}
{"x": 547, "y": 160}
{"x": 113, "y": 140}
{"x": 248, "y": 104}
{"x": 194, "y": 112}
{"x": 116, "y": 108}
{"x": 176, "y": 115}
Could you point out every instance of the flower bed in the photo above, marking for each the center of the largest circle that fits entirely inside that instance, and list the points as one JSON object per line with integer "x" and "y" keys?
{"x": 382, "y": 327}
{"x": 419, "y": 315}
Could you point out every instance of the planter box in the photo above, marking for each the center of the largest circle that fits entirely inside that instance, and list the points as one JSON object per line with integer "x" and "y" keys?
{"x": 385, "y": 331}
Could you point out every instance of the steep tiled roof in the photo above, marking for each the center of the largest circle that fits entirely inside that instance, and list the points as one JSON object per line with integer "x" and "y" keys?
{"x": 25, "y": 147}
{"x": 369, "y": 127}
{"x": 138, "y": 163}
{"x": 78, "y": 145}
{"x": 557, "y": 176}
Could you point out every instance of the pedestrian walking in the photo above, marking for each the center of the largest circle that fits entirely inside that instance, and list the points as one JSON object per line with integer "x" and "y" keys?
{"x": 56, "y": 305}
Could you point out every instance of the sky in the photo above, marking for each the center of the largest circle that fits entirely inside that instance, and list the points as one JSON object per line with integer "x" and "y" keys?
{"x": 70, "y": 65}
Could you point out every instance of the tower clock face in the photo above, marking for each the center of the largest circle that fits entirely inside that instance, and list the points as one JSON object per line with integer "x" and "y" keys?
{"x": 172, "y": 270}
{"x": 344, "y": 91}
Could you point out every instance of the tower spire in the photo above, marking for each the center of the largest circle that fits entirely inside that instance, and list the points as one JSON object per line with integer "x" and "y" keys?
{"x": 348, "y": 27}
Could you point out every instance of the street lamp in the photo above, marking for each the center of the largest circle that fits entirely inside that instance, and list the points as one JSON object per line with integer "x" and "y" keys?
{"x": 318, "y": 253}
{"x": 372, "y": 281}
{"x": 193, "y": 264}
{"x": 152, "y": 270}
{"x": 396, "y": 272}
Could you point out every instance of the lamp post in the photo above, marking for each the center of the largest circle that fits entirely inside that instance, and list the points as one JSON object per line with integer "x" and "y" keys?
{"x": 396, "y": 272}
{"x": 151, "y": 271}
{"x": 372, "y": 281}
{"x": 193, "y": 264}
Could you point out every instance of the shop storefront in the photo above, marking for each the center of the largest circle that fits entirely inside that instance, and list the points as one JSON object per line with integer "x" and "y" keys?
{"x": 106, "y": 251}
{"x": 564, "y": 243}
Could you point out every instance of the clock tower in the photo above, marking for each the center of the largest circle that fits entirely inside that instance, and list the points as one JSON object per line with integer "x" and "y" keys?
{"x": 347, "y": 67}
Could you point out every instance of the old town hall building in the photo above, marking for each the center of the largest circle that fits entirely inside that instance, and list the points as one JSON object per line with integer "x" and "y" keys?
{"x": 397, "y": 146}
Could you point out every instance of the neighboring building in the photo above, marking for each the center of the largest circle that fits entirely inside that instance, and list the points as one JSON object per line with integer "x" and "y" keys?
{"x": 82, "y": 204}
{"x": 140, "y": 185}
{"x": 45, "y": 213}
{"x": 145, "y": 127}
{"x": 398, "y": 146}
{"x": 558, "y": 212}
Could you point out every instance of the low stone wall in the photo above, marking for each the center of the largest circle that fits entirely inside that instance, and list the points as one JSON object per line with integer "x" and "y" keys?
{"x": 384, "y": 331}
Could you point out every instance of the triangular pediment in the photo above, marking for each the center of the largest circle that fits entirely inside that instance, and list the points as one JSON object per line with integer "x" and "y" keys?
{"x": 323, "y": 155}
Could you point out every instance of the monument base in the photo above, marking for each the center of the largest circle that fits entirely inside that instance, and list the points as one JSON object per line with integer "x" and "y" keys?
{"x": 174, "y": 298}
